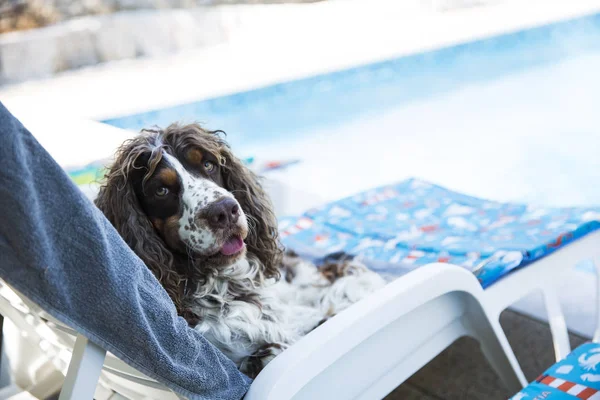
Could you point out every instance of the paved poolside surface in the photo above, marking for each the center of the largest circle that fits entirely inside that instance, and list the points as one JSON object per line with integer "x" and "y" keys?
{"x": 462, "y": 373}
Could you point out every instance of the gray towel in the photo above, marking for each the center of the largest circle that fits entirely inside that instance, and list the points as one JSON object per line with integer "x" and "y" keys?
{"x": 57, "y": 248}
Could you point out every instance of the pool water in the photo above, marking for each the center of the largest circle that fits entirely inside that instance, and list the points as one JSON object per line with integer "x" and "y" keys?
{"x": 530, "y": 136}
{"x": 510, "y": 118}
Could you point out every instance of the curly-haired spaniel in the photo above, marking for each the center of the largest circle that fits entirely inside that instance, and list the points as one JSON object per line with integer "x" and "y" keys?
{"x": 203, "y": 224}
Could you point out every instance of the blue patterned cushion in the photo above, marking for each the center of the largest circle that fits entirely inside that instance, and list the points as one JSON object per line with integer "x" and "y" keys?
{"x": 575, "y": 377}
{"x": 397, "y": 228}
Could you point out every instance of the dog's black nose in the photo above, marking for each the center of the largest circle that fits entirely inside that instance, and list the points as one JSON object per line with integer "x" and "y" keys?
{"x": 222, "y": 213}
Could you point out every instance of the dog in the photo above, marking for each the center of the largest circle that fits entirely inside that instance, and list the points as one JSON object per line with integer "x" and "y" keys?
{"x": 204, "y": 225}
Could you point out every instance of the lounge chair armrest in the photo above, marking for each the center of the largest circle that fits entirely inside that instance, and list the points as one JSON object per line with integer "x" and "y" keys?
{"x": 306, "y": 361}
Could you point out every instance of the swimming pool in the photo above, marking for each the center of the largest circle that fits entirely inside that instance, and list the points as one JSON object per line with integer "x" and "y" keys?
{"x": 511, "y": 117}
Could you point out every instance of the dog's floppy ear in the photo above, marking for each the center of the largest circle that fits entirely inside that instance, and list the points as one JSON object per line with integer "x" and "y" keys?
{"x": 119, "y": 203}
{"x": 263, "y": 236}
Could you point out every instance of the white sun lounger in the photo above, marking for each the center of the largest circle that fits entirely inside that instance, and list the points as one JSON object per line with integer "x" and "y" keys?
{"x": 363, "y": 353}
{"x": 383, "y": 340}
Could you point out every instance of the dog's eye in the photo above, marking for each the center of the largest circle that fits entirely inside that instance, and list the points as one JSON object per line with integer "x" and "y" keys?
{"x": 209, "y": 166}
{"x": 162, "y": 191}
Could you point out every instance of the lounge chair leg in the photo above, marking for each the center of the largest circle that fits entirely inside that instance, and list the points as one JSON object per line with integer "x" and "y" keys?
{"x": 558, "y": 326}
{"x": 496, "y": 349}
{"x": 84, "y": 370}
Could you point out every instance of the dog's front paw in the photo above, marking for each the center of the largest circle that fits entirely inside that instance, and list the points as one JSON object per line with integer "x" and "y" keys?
{"x": 348, "y": 266}
{"x": 252, "y": 365}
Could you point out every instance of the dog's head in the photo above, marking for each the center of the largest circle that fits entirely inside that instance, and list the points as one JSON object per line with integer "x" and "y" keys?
{"x": 179, "y": 193}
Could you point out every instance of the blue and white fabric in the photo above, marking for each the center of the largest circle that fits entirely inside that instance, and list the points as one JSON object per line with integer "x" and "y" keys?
{"x": 575, "y": 377}
{"x": 399, "y": 227}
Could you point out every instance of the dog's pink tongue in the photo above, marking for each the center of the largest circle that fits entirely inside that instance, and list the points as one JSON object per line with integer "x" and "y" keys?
{"x": 232, "y": 245}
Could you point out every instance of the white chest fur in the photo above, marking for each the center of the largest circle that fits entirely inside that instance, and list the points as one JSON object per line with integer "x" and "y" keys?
{"x": 239, "y": 313}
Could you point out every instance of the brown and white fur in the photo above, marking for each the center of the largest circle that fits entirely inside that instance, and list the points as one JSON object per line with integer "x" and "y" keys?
{"x": 202, "y": 223}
